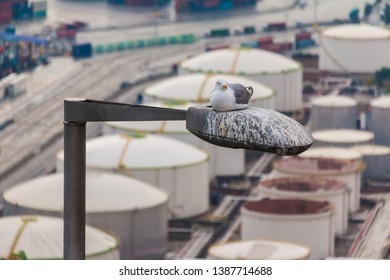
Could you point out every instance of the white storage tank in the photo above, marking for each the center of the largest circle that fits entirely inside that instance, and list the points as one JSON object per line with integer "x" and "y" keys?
{"x": 333, "y": 112}
{"x": 199, "y": 86}
{"x": 258, "y": 249}
{"x": 342, "y": 137}
{"x": 133, "y": 210}
{"x": 177, "y": 168}
{"x": 311, "y": 189}
{"x": 303, "y": 221}
{"x": 280, "y": 73}
{"x": 380, "y": 118}
{"x": 356, "y": 48}
{"x": 41, "y": 238}
{"x": 348, "y": 172}
{"x": 377, "y": 160}
{"x": 331, "y": 152}
{"x": 220, "y": 163}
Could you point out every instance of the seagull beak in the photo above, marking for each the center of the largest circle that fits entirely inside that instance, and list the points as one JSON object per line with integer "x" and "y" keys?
{"x": 225, "y": 86}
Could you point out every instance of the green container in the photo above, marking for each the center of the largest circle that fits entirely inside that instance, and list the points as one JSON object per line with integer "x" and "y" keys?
{"x": 110, "y": 47}
{"x": 39, "y": 14}
{"x": 130, "y": 45}
{"x": 173, "y": 40}
{"x": 99, "y": 49}
{"x": 140, "y": 44}
{"x": 121, "y": 46}
{"x": 162, "y": 41}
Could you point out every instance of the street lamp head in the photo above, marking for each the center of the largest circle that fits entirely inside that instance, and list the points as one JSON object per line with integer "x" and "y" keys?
{"x": 252, "y": 128}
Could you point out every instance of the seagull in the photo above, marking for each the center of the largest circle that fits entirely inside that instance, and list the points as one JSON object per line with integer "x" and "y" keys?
{"x": 229, "y": 97}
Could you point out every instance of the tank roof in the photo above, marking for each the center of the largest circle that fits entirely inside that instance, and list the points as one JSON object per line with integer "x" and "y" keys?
{"x": 331, "y": 152}
{"x": 105, "y": 192}
{"x": 199, "y": 86}
{"x": 381, "y": 102}
{"x": 374, "y": 150}
{"x": 297, "y": 165}
{"x": 240, "y": 61}
{"x": 343, "y": 136}
{"x": 42, "y": 238}
{"x": 299, "y": 184}
{"x": 357, "y": 32}
{"x": 259, "y": 250}
{"x": 140, "y": 152}
{"x": 334, "y": 101}
{"x": 288, "y": 206}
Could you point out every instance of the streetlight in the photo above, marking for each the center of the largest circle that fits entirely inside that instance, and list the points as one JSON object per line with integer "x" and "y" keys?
{"x": 252, "y": 128}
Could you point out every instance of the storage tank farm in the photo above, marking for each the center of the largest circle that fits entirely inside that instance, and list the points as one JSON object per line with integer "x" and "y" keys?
{"x": 347, "y": 171}
{"x": 345, "y": 48}
{"x": 134, "y": 211}
{"x": 333, "y": 112}
{"x": 307, "y": 188}
{"x": 306, "y": 222}
{"x": 177, "y": 168}
{"x": 258, "y": 249}
{"x": 380, "y": 117}
{"x": 41, "y": 238}
{"x": 276, "y": 71}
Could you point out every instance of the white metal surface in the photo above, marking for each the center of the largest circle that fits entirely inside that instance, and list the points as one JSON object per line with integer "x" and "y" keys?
{"x": 199, "y": 86}
{"x": 331, "y": 152}
{"x": 280, "y": 73}
{"x": 135, "y": 211}
{"x": 177, "y": 168}
{"x": 354, "y": 48}
{"x": 342, "y": 137}
{"x": 41, "y": 237}
{"x": 377, "y": 160}
{"x": 380, "y": 118}
{"x": 311, "y": 189}
{"x": 331, "y": 112}
{"x": 309, "y": 223}
{"x": 347, "y": 171}
{"x": 220, "y": 162}
{"x": 258, "y": 250}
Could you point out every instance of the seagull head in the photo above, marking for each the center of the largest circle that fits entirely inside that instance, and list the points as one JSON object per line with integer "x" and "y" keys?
{"x": 221, "y": 84}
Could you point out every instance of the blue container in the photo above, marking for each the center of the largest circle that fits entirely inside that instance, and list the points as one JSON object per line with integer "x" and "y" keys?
{"x": 226, "y": 4}
{"x": 305, "y": 43}
{"x": 82, "y": 50}
{"x": 252, "y": 45}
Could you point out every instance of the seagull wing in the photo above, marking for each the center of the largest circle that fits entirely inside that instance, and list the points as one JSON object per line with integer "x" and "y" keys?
{"x": 241, "y": 93}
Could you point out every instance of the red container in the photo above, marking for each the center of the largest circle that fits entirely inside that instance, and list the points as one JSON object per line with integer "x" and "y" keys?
{"x": 66, "y": 34}
{"x": 5, "y": 11}
{"x": 264, "y": 41}
{"x": 302, "y": 36}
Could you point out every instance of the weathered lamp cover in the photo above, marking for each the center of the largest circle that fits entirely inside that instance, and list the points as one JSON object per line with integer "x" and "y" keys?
{"x": 252, "y": 128}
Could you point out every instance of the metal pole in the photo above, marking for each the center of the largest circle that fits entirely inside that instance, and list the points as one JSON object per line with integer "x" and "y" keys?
{"x": 74, "y": 190}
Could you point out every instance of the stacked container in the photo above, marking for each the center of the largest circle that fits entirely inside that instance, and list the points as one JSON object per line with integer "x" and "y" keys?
{"x": 39, "y": 8}
{"x": 5, "y": 11}
{"x": 304, "y": 40}
{"x": 21, "y": 9}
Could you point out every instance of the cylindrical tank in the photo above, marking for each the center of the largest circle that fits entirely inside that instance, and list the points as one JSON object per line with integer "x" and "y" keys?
{"x": 333, "y": 112}
{"x": 346, "y": 171}
{"x": 199, "y": 86}
{"x": 342, "y": 137}
{"x": 331, "y": 152}
{"x": 356, "y": 48}
{"x": 279, "y": 72}
{"x": 133, "y": 210}
{"x": 303, "y": 221}
{"x": 220, "y": 157}
{"x": 311, "y": 189}
{"x": 380, "y": 118}
{"x": 258, "y": 249}
{"x": 377, "y": 160}
{"x": 179, "y": 169}
{"x": 41, "y": 238}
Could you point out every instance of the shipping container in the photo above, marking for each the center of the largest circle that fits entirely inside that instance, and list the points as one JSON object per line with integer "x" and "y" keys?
{"x": 249, "y": 30}
{"x": 216, "y": 47}
{"x": 206, "y": 5}
{"x": 264, "y": 41}
{"x": 278, "y": 47}
{"x": 275, "y": 26}
{"x": 83, "y": 50}
{"x": 252, "y": 44}
{"x": 304, "y": 43}
{"x": 303, "y": 36}
{"x": 222, "y": 32}
{"x": 10, "y": 30}
{"x": 21, "y": 10}
{"x": 5, "y": 11}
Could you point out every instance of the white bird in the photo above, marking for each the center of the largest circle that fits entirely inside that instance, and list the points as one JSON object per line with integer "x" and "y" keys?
{"x": 229, "y": 97}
